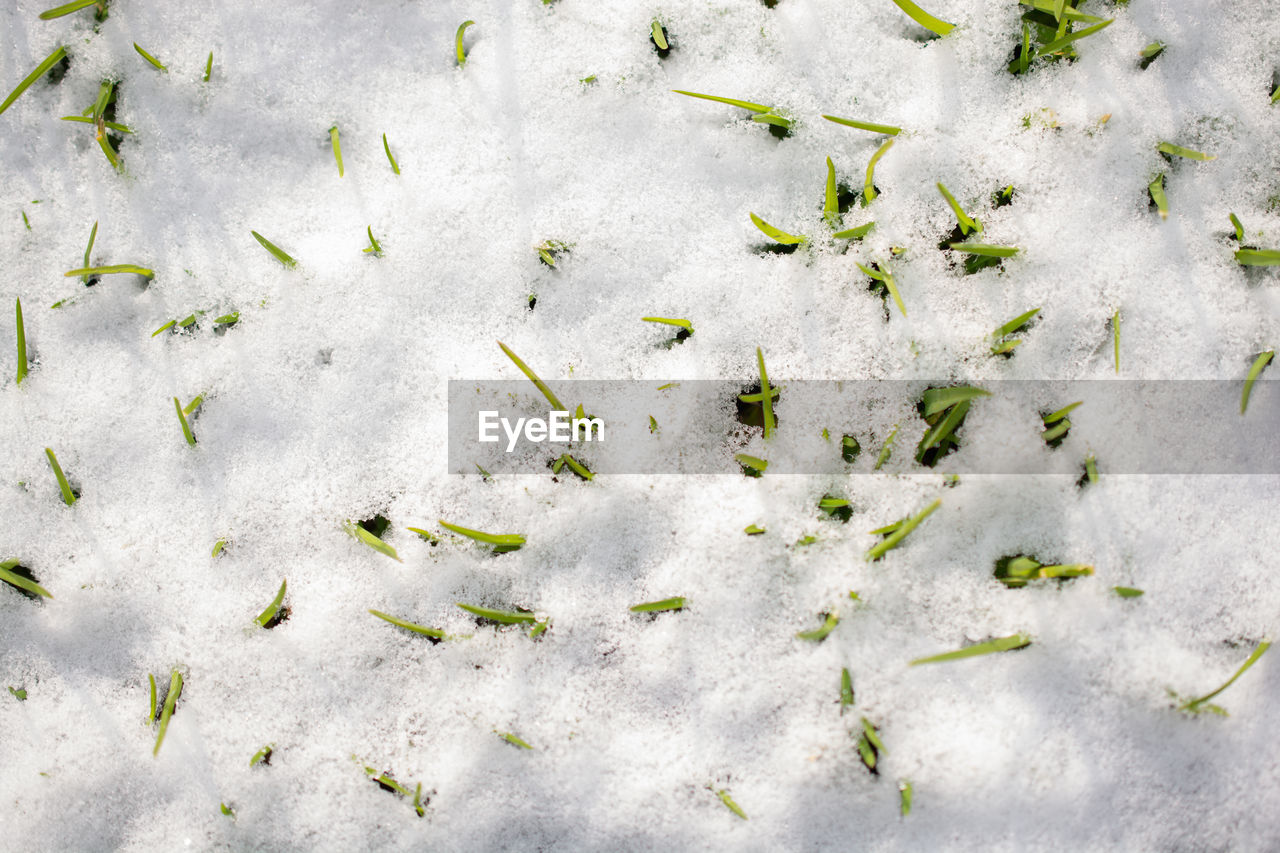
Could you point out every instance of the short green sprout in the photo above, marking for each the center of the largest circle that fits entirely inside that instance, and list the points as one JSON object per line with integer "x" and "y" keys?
{"x": 459, "y": 51}
{"x": 336, "y": 144}
{"x": 395, "y": 167}
{"x": 275, "y": 251}
{"x": 155, "y": 63}
{"x": 1194, "y": 705}
{"x": 1002, "y": 345}
{"x": 924, "y": 19}
{"x": 999, "y": 644}
{"x": 431, "y": 633}
{"x": 68, "y": 496}
{"x": 1255, "y": 371}
{"x": 170, "y": 702}
{"x": 1017, "y": 571}
{"x": 186, "y": 427}
{"x": 501, "y": 542}
{"x": 817, "y": 635}
{"x": 869, "y": 191}
{"x": 22, "y": 342}
{"x": 760, "y": 112}
{"x": 872, "y": 127}
{"x": 897, "y": 531}
{"x": 663, "y": 606}
{"x": 273, "y": 615}
{"x": 49, "y": 61}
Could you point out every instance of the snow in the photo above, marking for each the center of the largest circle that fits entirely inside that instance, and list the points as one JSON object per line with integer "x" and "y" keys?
{"x": 328, "y": 401}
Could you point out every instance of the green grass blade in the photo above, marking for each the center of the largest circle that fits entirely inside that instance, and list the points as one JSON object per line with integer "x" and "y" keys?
{"x": 66, "y": 9}
{"x": 108, "y": 124}
{"x": 817, "y": 635}
{"x": 11, "y": 577}
{"x": 274, "y": 250}
{"x": 372, "y": 541}
{"x": 68, "y": 497}
{"x": 433, "y": 633}
{"x": 1115, "y": 331}
{"x": 110, "y": 270}
{"x": 659, "y": 37}
{"x": 1259, "y": 363}
{"x": 733, "y": 102}
{"x": 1128, "y": 591}
{"x": 22, "y": 342}
{"x": 50, "y": 61}
{"x": 1194, "y": 704}
{"x": 151, "y": 715}
{"x": 1058, "y": 44}
{"x": 274, "y": 607}
{"x": 777, "y": 233}
{"x": 1000, "y": 644}
{"x": 458, "y": 50}
{"x": 148, "y": 57}
{"x": 846, "y": 689}
{"x": 892, "y": 287}
{"x": 533, "y": 377}
{"x": 175, "y": 689}
{"x": 730, "y": 804}
{"x": 894, "y": 539}
{"x": 505, "y": 617}
{"x": 186, "y": 427}
{"x": 904, "y": 793}
{"x": 208, "y": 67}
{"x": 262, "y": 756}
{"x": 515, "y": 740}
{"x": 217, "y": 548}
{"x": 855, "y": 233}
{"x": 924, "y": 19}
{"x": 336, "y": 144}
{"x": 93, "y": 235}
{"x": 967, "y": 224}
{"x": 508, "y": 541}
{"x": 1015, "y": 324}
{"x": 375, "y": 248}
{"x": 1061, "y": 413}
{"x": 942, "y": 430}
{"x": 937, "y": 399}
{"x": 868, "y": 188}
{"x": 395, "y": 167}
{"x": 830, "y": 199}
{"x": 766, "y": 392}
{"x": 1258, "y": 257}
{"x": 671, "y": 321}
{"x": 888, "y": 129}
{"x": 1239, "y": 228}
{"x": 1178, "y": 151}
{"x": 662, "y": 606}
{"x": 985, "y": 249}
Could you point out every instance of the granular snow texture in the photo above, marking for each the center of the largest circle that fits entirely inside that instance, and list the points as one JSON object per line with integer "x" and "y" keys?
{"x": 326, "y": 403}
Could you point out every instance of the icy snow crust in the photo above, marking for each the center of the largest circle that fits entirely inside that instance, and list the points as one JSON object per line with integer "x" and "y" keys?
{"x": 326, "y": 403}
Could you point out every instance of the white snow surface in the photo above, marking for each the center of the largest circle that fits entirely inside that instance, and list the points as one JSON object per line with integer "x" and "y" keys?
{"x": 326, "y": 403}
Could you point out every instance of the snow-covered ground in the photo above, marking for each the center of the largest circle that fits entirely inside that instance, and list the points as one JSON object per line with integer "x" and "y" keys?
{"x": 327, "y": 402}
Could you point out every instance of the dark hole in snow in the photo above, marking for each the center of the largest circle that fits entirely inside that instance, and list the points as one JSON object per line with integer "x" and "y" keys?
{"x": 376, "y": 525}
{"x": 752, "y": 413}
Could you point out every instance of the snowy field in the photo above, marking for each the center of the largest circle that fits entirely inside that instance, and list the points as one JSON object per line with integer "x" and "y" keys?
{"x": 326, "y": 402}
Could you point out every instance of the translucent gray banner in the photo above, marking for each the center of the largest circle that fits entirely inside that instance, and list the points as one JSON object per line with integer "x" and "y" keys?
{"x": 865, "y": 426}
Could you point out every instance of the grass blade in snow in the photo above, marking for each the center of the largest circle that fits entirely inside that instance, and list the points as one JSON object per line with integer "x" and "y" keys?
{"x": 505, "y": 617}
{"x": 395, "y": 167}
{"x": 1000, "y": 644}
{"x": 68, "y": 497}
{"x": 869, "y": 192}
{"x": 533, "y": 377}
{"x": 729, "y": 803}
{"x": 663, "y": 606}
{"x": 186, "y": 427}
{"x": 11, "y": 577}
{"x": 1258, "y": 257}
{"x": 900, "y": 531}
{"x": 985, "y": 249}
{"x": 372, "y": 541}
{"x": 267, "y": 618}
{"x": 924, "y": 19}
{"x": 170, "y": 701}
{"x": 777, "y": 233}
{"x": 502, "y": 542}
{"x": 22, "y": 342}
{"x": 433, "y": 633}
{"x": 1194, "y": 705}
{"x": 111, "y": 270}
{"x": 49, "y": 61}
{"x": 275, "y": 251}
{"x": 336, "y": 144}
{"x": 515, "y": 740}
{"x": 872, "y": 127}
{"x": 458, "y": 51}
{"x": 74, "y": 6}
{"x": 846, "y": 689}
{"x": 1172, "y": 150}
{"x": 1254, "y": 371}
{"x": 817, "y": 635}
{"x": 148, "y": 57}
